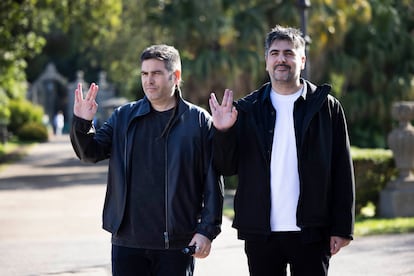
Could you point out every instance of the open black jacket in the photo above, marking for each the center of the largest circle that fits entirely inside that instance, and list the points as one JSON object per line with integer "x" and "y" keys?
{"x": 326, "y": 200}
{"x": 193, "y": 189}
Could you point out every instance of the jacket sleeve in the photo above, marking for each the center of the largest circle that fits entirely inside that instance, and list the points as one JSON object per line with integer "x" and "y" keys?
{"x": 88, "y": 146}
{"x": 213, "y": 192}
{"x": 225, "y": 151}
{"x": 343, "y": 202}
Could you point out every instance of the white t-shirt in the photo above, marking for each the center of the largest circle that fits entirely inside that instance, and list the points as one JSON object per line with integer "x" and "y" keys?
{"x": 284, "y": 165}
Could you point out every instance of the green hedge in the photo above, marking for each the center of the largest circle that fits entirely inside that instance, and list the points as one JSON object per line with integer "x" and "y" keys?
{"x": 23, "y": 112}
{"x": 374, "y": 168}
{"x": 33, "y": 132}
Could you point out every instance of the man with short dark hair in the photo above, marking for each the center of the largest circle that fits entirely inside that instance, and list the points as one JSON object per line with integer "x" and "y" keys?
{"x": 288, "y": 143}
{"x": 162, "y": 192}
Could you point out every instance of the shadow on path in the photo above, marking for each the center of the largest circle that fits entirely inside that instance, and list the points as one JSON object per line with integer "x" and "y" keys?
{"x": 51, "y": 164}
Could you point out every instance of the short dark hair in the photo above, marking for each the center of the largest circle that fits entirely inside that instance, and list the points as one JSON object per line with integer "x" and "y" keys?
{"x": 166, "y": 53}
{"x": 285, "y": 33}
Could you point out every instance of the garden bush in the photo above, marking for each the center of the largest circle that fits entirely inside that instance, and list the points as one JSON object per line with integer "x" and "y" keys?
{"x": 374, "y": 168}
{"x": 23, "y": 112}
{"x": 33, "y": 132}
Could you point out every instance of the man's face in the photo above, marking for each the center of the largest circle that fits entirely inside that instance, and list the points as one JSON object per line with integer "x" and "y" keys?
{"x": 284, "y": 62}
{"x": 157, "y": 82}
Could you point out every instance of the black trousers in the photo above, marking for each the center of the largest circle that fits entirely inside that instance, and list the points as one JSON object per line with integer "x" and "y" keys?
{"x": 128, "y": 261}
{"x": 270, "y": 257}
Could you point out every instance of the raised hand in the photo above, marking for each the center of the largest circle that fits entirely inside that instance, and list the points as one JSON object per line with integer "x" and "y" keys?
{"x": 224, "y": 115}
{"x": 86, "y": 108}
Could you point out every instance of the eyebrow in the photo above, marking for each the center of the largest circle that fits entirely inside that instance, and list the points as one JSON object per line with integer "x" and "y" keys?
{"x": 147, "y": 72}
{"x": 282, "y": 50}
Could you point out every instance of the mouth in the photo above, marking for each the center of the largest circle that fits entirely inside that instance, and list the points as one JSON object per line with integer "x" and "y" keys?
{"x": 281, "y": 68}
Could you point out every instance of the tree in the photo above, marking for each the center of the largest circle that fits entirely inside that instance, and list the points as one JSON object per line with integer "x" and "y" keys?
{"x": 221, "y": 41}
{"x": 18, "y": 41}
{"x": 371, "y": 62}
{"x": 362, "y": 47}
{"x": 77, "y": 33}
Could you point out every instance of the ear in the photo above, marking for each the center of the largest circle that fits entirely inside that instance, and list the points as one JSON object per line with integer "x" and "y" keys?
{"x": 303, "y": 62}
{"x": 177, "y": 76}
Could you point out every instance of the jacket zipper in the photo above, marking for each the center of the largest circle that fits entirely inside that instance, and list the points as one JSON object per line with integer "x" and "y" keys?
{"x": 166, "y": 236}
{"x": 166, "y": 132}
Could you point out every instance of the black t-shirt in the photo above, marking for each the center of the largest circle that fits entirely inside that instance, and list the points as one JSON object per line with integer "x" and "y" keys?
{"x": 144, "y": 222}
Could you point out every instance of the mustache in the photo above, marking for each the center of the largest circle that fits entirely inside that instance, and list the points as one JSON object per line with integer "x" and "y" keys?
{"x": 281, "y": 65}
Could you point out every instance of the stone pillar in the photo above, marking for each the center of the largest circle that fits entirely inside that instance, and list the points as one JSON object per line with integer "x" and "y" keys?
{"x": 397, "y": 199}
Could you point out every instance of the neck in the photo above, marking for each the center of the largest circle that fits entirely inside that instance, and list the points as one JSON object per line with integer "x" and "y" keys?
{"x": 165, "y": 105}
{"x": 286, "y": 88}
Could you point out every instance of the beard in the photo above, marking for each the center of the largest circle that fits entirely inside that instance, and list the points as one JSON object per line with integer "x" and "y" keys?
{"x": 282, "y": 73}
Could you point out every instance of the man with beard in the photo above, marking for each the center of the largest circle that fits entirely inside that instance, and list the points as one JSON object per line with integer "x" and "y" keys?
{"x": 288, "y": 143}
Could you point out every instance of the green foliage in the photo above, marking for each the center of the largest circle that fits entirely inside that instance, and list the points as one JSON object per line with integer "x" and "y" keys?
{"x": 363, "y": 47}
{"x": 230, "y": 182}
{"x": 23, "y": 112}
{"x": 77, "y": 37}
{"x": 33, "y": 132}
{"x": 371, "y": 50}
{"x": 4, "y": 108}
{"x": 376, "y": 226}
{"x": 18, "y": 41}
{"x": 219, "y": 38}
{"x": 374, "y": 168}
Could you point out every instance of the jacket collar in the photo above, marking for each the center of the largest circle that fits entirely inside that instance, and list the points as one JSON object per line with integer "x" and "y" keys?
{"x": 309, "y": 90}
{"x": 143, "y": 106}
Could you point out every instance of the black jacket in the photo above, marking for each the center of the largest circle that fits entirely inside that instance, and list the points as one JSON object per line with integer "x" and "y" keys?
{"x": 326, "y": 200}
{"x": 194, "y": 192}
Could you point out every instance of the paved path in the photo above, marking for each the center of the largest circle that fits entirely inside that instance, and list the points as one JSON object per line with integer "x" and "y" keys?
{"x": 50, "y": 224}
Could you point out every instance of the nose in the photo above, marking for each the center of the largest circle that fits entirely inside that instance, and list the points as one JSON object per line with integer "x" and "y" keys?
{"x": 151, "y": 78}
{"x": 281, "y": 58}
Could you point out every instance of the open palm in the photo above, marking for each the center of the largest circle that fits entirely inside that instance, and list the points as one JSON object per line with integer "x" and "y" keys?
{"x": 224, "y": 114}
{"x": 87, "y": 107}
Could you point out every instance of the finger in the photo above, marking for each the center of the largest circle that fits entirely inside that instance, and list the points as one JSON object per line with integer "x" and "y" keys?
{"x": 201, "y": 254}
{"x": 229, "y": 98}
{"x": 77, "y": 96}
{"x": 234, "y": 111}
{"x": 94, "y": 106}
{"x": 225, "y": 97}
{"x": 211, "y": 104}
{"x": 334, "y": 247}
{"x": 213, "y": 108}
{"x": 213, "y": 101}
{"x": 89, "y": 95}
{"x": 78, "y": 93}
{"x": 94, "y": 91}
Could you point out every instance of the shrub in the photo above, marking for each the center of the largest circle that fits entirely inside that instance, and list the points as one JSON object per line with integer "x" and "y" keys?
{"x": 4, "y": 108}
{"x": 23, "y": 112}
{"x": 374, "y": 168}
{"x": 33, "y": 131}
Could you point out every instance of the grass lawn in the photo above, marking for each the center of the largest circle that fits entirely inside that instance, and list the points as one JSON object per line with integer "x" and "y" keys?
{"x": 376, "y": 226}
